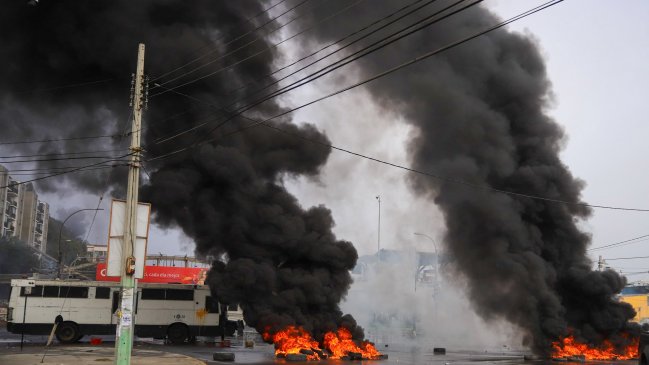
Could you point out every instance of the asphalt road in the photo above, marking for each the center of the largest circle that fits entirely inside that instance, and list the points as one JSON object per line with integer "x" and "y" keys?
{"x": 401, "y": 354}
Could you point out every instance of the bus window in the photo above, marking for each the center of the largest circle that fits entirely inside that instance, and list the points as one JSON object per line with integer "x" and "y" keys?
{"x": 211, "y": 305}
{"x": 115, "y": 302}
{"x": 153, "y": 294}
{"x": 232, "y": 307}
{"x": 36, "y": 291}
{"x": 102, "y": 293}
{"x": 51, "y": 291}
{"x": 73, "y": 292}
{"x": 180, "y": 294}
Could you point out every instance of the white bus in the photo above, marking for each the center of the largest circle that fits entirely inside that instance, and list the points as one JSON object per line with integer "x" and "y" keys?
{"x": 173, "y": 311}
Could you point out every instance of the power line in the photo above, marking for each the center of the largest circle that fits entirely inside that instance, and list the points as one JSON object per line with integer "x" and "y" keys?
{"x": 238, "y": 48}
{"x": 423, "y": 23}
{"x": 373, "y": 32}
{"x": 621, "y": 243}
{"x": 457, "y": 181}
{"x": 68, "y": 171}
{"x": 58, "y": 159}
{"x": 249, "y": 20}
{"x": 367, "y": 26}
{"x": 64, "y": 153}
{"x": 634, "y": 273}
{"x": 65, "y": 139}
{"x": 47, "y": 169}
{"x": 432, "y": 175}
{"x": 627, "y": 258}
{"x": 53, "y": 88}
{"x": 35, "y": 173}
{"x": 389, "y": 71}
{"x": 286, "y": 88}
{"x": 340, "y": 40}
{"x": 267, "y": 49}
{"x": 428, "y": 174}
{"x": 351, "y": 57}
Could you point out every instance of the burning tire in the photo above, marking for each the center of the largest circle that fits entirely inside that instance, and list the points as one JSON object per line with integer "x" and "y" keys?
{"x": 177, "y": 333}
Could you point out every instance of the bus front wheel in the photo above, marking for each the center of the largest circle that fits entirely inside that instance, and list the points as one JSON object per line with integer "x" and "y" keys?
{"x": 177, "y": 333}
{"x": 68, "y": 332}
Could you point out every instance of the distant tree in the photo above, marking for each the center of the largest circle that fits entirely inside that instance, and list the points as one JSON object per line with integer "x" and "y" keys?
{"x": 16, "y": 257}
{"x": 71, "y": 246}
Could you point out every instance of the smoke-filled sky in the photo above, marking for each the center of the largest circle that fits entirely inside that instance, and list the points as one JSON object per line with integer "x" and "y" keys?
{"x": 593, "y": 52}
{"x": 595, "y": 57}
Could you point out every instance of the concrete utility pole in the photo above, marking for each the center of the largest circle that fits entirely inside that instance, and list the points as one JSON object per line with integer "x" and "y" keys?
{"x": 125, "y": 328}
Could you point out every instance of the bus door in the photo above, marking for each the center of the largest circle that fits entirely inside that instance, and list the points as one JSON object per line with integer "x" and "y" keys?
{"x": 115, "y": 306}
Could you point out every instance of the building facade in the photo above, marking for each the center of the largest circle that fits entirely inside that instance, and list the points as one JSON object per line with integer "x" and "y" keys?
{"x": 97, "y": 253}
{"x": 22, "y": 215}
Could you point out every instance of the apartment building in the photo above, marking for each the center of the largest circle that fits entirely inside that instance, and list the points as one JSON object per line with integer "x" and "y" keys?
{"x": 22, "y": 215}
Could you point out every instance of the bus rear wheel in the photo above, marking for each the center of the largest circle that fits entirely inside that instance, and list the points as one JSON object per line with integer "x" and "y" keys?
{"x": 68, "y": 332}
{"x": 177, "y": 333}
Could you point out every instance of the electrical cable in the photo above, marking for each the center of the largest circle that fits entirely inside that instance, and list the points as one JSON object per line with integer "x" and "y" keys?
{"x": 35, "y": 173}
{"x": 238, "y": 48}
{"x": 367, "y": 26}
{"x": 63, "y": 139}
{"x": 634, "y": 273}
{"x": 621, "y": 243}
{"x": 432, "y": 175}
{"x": 64, "y": 153}
{"x": 277, "y": 93}
{"x": 66, "y": 171}
{"x": 373, "y": 32}
{"x": 267, "y": 49}
{"x": 59, "y": 159}
{"x": 249, "y": 20}
{"x": 340, "y": 40}
{"x": 418, "y": 58}
{"x": 47, "y": 169}
{"x": 627, "y": 258}
{"x": 457, "y": 181}
{"x": 405, "y": 64}
{"x": 277, "y": 81}
{"x": 78, "y": 84}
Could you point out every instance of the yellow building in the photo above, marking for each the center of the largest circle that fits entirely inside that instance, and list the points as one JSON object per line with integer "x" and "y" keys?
{"x": 639, "y": 302}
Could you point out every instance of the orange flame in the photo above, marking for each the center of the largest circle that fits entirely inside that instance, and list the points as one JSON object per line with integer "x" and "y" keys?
{"x": 568, "y": 347}
{"x": 341, "y": 343}
{"x": 292, "y": 340}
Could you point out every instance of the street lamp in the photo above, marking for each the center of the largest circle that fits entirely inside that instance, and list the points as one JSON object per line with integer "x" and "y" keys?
{"x": 61, "y": 233}
{"x": 436, "y": 259}
{"x": 378, "y": 243}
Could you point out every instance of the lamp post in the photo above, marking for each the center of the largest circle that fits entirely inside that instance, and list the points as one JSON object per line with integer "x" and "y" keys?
{"x": 378, "y": 241}
{"x": 436, "y": 260}
{"x": 60, "y": 235}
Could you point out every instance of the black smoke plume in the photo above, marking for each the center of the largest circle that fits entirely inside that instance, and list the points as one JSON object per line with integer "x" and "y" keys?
{"x": 282, "y": 262}
{"x": 480, "y": 116}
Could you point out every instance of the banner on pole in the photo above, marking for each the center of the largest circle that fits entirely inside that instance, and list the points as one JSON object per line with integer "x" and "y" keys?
{"x": 116, "y": 258}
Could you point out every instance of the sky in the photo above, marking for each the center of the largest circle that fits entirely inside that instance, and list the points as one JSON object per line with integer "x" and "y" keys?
{"x": 596, "y": 54}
